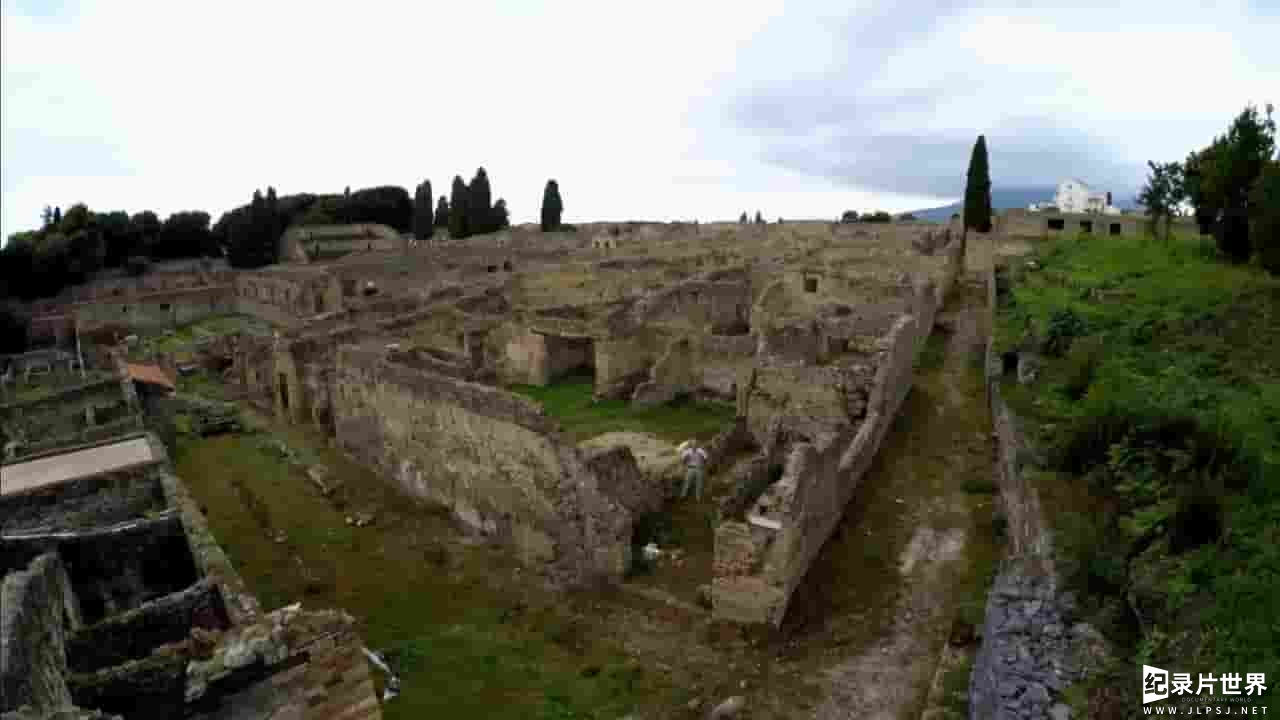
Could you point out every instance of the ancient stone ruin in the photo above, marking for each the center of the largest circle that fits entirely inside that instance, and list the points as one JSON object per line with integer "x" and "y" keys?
{"x": 116, "y": 596}
{"x": 118, "y": 602}
{"x": 811, "y": 335}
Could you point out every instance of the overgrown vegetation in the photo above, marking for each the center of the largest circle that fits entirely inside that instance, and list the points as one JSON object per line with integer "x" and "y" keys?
{"x": 569, "y": 400}
{"x": 1159, "y": 410}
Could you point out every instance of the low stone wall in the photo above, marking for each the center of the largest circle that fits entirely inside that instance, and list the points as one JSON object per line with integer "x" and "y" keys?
{"x": 1029, "y": 651}
{"x": 33, "y": 661}
{"x": 85, "y": 502}
{"x": 492, "y": 457}
{"x": 135, "y": 634}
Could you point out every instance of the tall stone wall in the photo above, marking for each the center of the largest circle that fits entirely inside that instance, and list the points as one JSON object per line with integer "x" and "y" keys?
{"x": 493, "y": 458}
{"x": 759, "y": 563}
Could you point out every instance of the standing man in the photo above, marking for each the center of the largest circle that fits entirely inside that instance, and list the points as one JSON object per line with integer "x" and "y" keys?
{"x": 695, "y": 463}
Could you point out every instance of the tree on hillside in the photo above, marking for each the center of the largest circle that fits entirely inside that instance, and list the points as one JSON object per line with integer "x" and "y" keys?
{"x": 458, "y": 209}
{"x": 250, "y": 243}
{"x": 907, "y": 217}
{"x": 977, "y": 190}
{"x": 1197, "y": 181}
{"x": 759, "y": 218}
{"x": 117, "y": 237}
{"x": 1265, "y": 228}
{"x": 57, "y": 216}
{"x": 85, "y": 248}
{"x": 849, "y": 216}
{"x": 1225, "y": 174}
{"x": 742, "y": 219}
{"x": 13, "y": 331}
{"x": 479, "y": 204}
{"x": 146, "y": 227}
{"x": 185, "y": 235}
{"x": 442, "y": 213}
{"x": 501, "y": 216}
{"x": 1162, "y": 194}
{"x": 46, "y": 216}
{"x": 423, "y": 221}
{"x": 552, "y": 206}
{"x": 273, "y": 226}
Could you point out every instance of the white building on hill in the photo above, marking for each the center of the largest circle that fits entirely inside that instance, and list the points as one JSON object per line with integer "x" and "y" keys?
{"x": 1075, "y": 196}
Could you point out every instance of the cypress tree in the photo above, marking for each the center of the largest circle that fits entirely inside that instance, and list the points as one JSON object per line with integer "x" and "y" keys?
{"x": 977, "y": 190}
{"x": 274, "y": 227}
{"x": 501, "y": 216}
{"x": 423, "y": 221}
{"x": 479, "y": 204}
{"x": 458, "y": 209}
{"x": 442, "y": 213}
{"x": 552, "y": 207}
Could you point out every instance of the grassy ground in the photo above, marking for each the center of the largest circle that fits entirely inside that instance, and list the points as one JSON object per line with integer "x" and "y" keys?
{"x": 468, "y": 634}
{"x": 1158, "y": 409}
{"x": 570, "y": 401}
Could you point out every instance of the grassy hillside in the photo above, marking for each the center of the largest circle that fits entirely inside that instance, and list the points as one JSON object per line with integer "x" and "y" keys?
{"x": 1157, "y": 408}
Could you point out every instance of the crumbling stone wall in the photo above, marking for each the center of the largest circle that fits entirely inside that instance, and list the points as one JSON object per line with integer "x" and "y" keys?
{"x": 67, "y": 418}
{"x": 33, "y": 661}
{"x": 493, "y": 458}
{"x": 760, "y": 562}
{"x": 287, "y": 296}
{"x": 622, "y": 364}
{"x": 673, "y": 374}
{"x": 537, "y": 358}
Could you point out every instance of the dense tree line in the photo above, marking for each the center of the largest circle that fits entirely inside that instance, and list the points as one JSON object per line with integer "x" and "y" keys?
{"x": 470, "y": 209}
{"x": 70, "y": 247}
{"x": 1232, "y": 186}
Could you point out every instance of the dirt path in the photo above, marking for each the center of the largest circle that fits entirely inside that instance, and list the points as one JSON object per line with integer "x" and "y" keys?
{"x": 920, "y": 526}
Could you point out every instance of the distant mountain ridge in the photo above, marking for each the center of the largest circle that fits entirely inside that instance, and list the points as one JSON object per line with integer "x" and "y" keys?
{"x": 1007, "y": 198}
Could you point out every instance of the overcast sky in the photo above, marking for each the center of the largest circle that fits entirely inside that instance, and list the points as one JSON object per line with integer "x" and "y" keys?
{"x": 645, "y": 110}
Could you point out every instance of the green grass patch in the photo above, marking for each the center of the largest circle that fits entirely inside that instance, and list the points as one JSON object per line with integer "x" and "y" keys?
{"x": 571, "y": 402}
{"x": 1160, "y": 399}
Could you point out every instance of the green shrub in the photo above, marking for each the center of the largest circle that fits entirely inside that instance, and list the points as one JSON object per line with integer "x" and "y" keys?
{"x": 1064, "y": 327}
{"x": 1082, "y": 365}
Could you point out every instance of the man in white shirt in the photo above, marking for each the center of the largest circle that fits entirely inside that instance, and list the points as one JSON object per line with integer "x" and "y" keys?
{"x": 695, "y": 463}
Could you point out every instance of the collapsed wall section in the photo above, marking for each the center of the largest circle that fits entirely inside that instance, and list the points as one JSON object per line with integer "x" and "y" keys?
{"x": 493, "y": 458}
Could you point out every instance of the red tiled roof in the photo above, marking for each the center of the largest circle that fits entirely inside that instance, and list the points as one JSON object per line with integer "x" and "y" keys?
{"x": 150, "y": 374}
